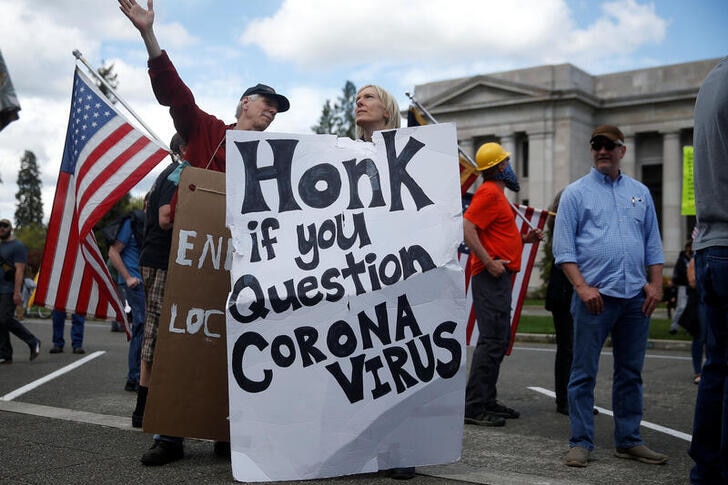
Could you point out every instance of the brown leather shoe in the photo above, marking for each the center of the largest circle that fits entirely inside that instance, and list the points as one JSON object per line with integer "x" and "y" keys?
{"x": 577, "y": 456}
{"x": 643, "y": 454}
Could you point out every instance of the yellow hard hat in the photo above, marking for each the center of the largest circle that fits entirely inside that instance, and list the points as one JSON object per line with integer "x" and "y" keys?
{"x": 490, "y": 155}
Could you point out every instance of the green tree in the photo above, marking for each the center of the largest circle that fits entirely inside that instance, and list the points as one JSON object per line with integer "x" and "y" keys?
{"x": 34, "y": 238}
{"x": 107, "y": 72}
{"x": 339, "y": 119}
{"x": 547, "y": 258}
{"x": 345, "y": 119}
{"x": 547, "y": 262}
{"x": 29, "y": 208}
{"x": 326, "y": 122}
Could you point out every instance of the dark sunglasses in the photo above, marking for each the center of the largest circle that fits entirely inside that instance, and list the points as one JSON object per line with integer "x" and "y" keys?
{"x": 4, "y": 225}
{"x": 608, "y": 144}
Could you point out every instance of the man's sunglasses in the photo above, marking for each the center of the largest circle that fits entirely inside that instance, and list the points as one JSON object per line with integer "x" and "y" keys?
{"x": 608, "y": 144}
{"x": 4, "y": 225}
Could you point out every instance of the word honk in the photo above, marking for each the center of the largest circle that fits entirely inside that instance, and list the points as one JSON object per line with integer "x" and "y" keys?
{"x": 328, "y": 176}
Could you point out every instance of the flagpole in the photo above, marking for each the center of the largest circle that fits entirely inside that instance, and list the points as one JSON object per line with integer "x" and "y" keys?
{"x": 467, "y": 157}
{"x": 80, "y": 57}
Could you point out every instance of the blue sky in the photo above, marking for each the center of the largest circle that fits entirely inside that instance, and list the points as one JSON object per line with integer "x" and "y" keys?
{"x": 308, "y": 49}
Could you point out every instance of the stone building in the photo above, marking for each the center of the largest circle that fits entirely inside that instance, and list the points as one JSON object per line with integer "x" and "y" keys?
{"x": 544, "y": 115}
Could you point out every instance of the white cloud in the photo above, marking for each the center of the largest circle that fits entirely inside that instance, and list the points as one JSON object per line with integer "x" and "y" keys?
{"x": 624, "y": 26}
{"x": 321, "y": 33}
{"x": 306, "y": 103}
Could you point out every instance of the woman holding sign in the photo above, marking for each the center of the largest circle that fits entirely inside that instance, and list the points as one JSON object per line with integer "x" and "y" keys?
{"x": 377, "y": 110}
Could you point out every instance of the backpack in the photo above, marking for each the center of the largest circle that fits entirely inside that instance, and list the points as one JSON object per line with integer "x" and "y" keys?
{"x": 111, "y": 231}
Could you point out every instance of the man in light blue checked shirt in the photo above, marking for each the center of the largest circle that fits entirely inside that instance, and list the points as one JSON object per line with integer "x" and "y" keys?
{"x": 607, "y": 241}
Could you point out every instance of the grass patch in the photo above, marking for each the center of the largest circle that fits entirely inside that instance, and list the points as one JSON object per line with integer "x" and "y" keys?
{"x": 659, "y": 327}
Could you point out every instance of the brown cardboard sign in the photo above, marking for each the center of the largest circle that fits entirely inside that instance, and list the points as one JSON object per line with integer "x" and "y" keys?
{"x": 188, "y": 395}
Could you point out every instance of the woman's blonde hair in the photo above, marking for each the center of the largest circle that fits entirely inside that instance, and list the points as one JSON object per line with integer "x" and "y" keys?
{"x": 390, "y": 105}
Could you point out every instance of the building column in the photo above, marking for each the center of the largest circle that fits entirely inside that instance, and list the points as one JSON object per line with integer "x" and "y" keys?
{"x": 628, "y": 163}
{"x": 540, "y": 169}
{"x": 672, "y": 227}
{"x": 508, "y": 142}
{"x": 467, "y": 147}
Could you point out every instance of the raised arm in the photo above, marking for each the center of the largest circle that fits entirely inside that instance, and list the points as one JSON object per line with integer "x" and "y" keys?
{"x": 143, "y": 20}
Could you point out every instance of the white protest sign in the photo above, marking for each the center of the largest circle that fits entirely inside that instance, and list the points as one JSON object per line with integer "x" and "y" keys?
{"x": 346, "y": 319}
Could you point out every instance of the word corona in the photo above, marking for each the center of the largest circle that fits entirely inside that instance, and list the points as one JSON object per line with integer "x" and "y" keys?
{"x": 405, "y": 360}
{"x": 320, "y": 185}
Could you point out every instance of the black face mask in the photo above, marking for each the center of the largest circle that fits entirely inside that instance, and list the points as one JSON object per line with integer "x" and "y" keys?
{"x": 508, "y": 177}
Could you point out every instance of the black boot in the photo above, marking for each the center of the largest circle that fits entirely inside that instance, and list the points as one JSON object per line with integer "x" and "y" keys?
{"x": 137, "y": 416}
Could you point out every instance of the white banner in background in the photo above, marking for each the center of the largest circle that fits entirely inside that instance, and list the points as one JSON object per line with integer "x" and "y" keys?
{"x": 346, "y": 319}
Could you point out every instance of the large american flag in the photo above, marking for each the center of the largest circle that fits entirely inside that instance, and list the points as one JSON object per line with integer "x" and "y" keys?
{"x": 103, "y": 158}
{"x": 519, "y": 283}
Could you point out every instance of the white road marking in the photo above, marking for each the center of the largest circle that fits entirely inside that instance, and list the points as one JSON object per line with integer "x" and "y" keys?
{"x": 646, "y": 424}
{"x": 67, "y": 414}
{"x": 38, "y": 382}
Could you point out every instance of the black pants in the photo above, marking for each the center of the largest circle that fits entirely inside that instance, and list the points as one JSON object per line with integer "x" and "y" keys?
{"x": 564, "y": 327}
{"x": 492, "y": 302}
{"x": 8, "y": 325}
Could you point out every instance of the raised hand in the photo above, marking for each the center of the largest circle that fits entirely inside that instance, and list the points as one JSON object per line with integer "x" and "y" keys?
{"x": 142, "y": 19}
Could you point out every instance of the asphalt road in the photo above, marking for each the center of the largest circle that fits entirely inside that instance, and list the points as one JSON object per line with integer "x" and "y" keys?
{"x": 65, "y": 418}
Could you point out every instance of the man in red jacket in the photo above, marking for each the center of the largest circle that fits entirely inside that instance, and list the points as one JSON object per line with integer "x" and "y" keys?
{"x": 204, "y": 133}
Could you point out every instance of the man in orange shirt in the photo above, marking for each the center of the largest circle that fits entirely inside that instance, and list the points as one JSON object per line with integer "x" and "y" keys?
{"x": 496, "y": 242}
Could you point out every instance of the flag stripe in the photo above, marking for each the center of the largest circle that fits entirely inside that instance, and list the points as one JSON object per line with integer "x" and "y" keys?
{"x": 125, "y": 158}
{"x": 57, "y": 241}
{"x": 103, "y": 159}
{"x": 468, "y": 175}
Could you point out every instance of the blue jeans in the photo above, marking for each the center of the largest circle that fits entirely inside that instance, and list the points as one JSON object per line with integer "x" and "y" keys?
{"x": 697, "y": 347}
{"x": 709, "y": 447}
{"x": 629, "y": 326}
{"x": 135, "y": 298}
{"x": 77, "y": 323}
{"x": 169, "y": 439}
